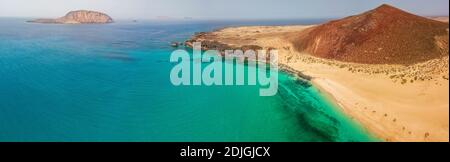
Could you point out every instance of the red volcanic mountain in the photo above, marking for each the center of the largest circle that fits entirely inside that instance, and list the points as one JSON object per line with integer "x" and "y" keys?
{"x": 385, "y": 35}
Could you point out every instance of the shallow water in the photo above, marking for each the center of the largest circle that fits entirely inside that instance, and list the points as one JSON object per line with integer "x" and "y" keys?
{"x": 111, "y": 83}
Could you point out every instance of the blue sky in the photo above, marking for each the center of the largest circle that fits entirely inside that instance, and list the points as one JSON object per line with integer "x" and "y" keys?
{"x": 216, "y": 9}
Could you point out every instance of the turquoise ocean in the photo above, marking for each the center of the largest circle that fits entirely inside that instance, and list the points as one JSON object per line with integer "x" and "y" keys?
{"x": 112, "y": 83}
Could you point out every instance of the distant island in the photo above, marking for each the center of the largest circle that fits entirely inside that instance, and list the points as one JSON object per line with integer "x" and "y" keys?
{"x": 78, "y": 17}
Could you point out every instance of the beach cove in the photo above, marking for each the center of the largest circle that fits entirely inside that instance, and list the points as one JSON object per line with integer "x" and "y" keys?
{"x": 392, "y": 109}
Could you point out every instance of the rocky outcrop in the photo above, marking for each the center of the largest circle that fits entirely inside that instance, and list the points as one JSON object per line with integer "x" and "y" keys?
{"x": 209, "y": 43}
{"x": 78, "y": 17}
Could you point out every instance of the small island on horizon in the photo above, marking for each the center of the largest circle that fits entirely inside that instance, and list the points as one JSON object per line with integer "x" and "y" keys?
{"x": 78, "y": 17}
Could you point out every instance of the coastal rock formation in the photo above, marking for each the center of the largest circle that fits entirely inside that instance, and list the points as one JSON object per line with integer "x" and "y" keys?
{"x": 78, "y": 17}
{"x": 209, "y": 43}
{"x": 385, "y": 35}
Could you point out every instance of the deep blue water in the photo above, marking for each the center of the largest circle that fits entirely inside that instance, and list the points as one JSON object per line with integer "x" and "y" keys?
{"x": 111, "y": 83}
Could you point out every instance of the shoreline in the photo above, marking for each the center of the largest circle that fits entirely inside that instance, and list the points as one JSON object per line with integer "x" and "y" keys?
{"x": 387, "y": 107}
{"x": 377, "y": 103}
{"x": 344, "y": 109}
{"x": 329, "y": 97}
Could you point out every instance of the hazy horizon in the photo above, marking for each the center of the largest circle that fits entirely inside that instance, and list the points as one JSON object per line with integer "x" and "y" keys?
{"x": 219, "y": 9}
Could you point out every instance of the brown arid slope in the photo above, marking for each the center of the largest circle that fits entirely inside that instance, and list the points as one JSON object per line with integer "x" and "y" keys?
{"x": 385, "y": 35}
{"x": 78, "y": 17}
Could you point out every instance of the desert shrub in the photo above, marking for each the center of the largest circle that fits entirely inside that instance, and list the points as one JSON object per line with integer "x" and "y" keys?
{"x": 404, "y": 81}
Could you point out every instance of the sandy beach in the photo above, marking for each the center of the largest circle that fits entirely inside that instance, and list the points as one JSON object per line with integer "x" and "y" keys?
{"x": 394, "y": 102}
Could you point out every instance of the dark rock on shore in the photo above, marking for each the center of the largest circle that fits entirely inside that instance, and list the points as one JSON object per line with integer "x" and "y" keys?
{"x": 175, "y": 44}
